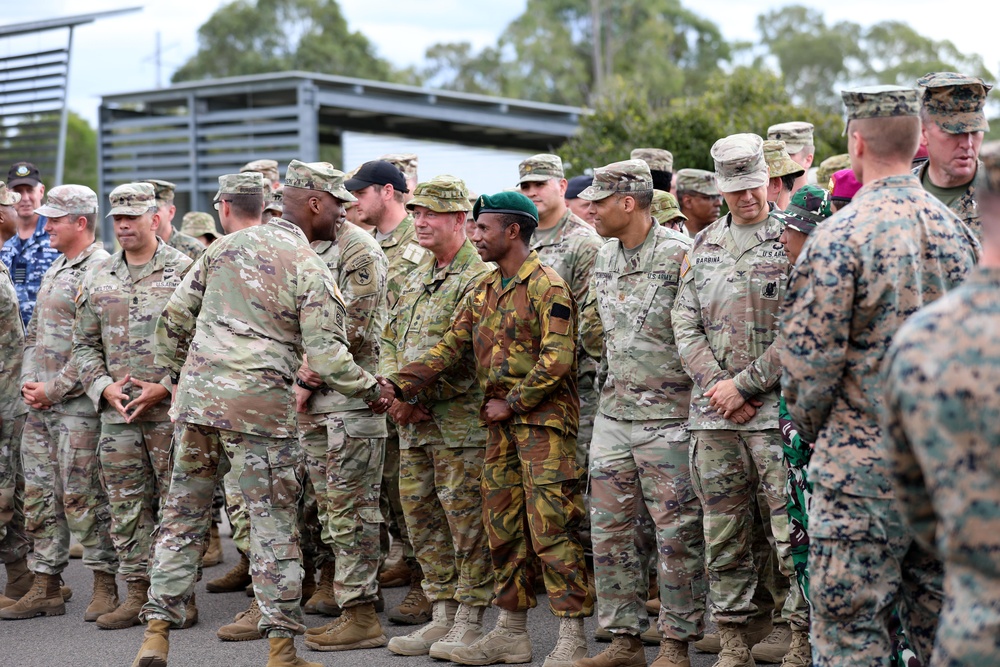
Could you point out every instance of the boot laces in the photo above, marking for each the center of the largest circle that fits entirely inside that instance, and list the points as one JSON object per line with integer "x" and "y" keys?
{"x": 673, "y": 650}
{"x": 567, "y": 642}
{"x": 414, "y": 597}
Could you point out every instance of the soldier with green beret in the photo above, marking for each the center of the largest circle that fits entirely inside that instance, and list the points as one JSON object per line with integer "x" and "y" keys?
{"x": 783, "y": 173}
{"x": 799, "y": 142}
{"x": 699, "y": 199}
{"x": 165, "y": 204}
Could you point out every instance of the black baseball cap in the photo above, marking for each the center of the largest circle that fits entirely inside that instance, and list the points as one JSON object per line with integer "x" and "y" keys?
{"x": 377, "y": 172}
{"x": 578, "y": 184}
{"x": 23, "y": 173}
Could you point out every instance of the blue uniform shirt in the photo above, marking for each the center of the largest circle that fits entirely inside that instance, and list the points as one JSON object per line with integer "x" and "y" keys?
{"x": 28, "y": 260}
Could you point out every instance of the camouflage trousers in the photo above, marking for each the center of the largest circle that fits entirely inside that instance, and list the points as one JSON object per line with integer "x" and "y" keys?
{"x": 969, "y": 631}
{"x": 443, "y": 508}
{"x": 135, "y": 468}
{"x": 727, "y": 466}
{"x": 63, "y": 492}
{"x": 863, "y": 561}
{"x": 236, "y": 509}
{"x": 532, "y": 505}
{"x": 267, "y": 476}
{"x": 637, "y": 464}
{"x": 14, "y": 541}
{"x": 344, "y": 452}
{"x": 393, "y": 525}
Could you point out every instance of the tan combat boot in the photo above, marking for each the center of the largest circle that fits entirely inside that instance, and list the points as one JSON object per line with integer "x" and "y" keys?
{"x": 651, "y": 637}
{"x": 507, "y": 642}
{"x": 283, "y": 654}
{"x": 571, "y": 644}
{"x": 400, "y": 574}
{"x": 244, "y": 626}
{"x": 757, "y": 629}
{"x": 42, "y": 599}
{"x": 673, "y": 653}
{"x": 415, "y": 609}
{"x": 419, "y": 641}
{"x": 237, "y": 579}
{"x": 19, "y": 579}
{"x": 104, "y": 599}
{"x": 625, "y": 651}
{"x": 323, "y": 597}
{"x": 127, "y": 613}
{"x": 6, "y": 601}
{"x": 155, "y": 644}
{"x": 774, "y": 646}
{"x": 213, "y": 555}
{"x": 76, "y": 550}
{"x": 190, "y": 613}
{"x": 358, "y": 627}
{"x": 466, "y": 630}
{"x": 799, "y": 652}
{"x": 735, "y": 652}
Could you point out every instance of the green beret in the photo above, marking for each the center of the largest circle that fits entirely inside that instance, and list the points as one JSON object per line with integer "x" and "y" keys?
{"x": 505, "y": 202}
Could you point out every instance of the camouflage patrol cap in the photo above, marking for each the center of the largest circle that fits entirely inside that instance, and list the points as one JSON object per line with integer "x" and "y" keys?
{"x": 658, "y": 159}
{"x": 796, "y": 135}
{"x": 828, "y": 167}
{"x": 778, "y": 162}
{"x": 164, "y": 191}
{"x": 665, "y": 207}
{"x": 68, "y": 200}
{"x": 268, "y": 168}
{"x": 132, "y": 199}
{"x": 697, "y": 180}
{"x": 989, "y": 153}
{"x": 955, "y": 101}
{"x": 739, "y": 162}
{"x": 320, "y": 176}
{"x": 197, "y": 223}
{"x": 273, "y": 202}
{"x": 541, "y": 167}
{"x": 879, "y": 102}
{"x": 624, "y": 177}
{"x": 243, "y": 183}
{"x": 405, "y": 162}
{"x": 810, "y": 205}
{"x": 8, "y": 197}
{"x": 441, "y": 194}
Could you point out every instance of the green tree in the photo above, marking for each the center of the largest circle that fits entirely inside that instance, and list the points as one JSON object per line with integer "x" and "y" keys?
{"x": 80, "y": 164}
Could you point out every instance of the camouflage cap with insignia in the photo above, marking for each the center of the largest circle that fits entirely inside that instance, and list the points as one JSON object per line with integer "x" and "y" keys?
{"x": 879, "y": 102}
{"x": 243, "y": 183}
{"x": 273, "y": 202}
{"x": 164, "y": 191}
{"x": 197, "y": 223}
{"x": 954, "y": 102}
{"x": 797, "y": 135}
{"x": 68, "y": 200}
{"x": 778, "y": 162}
{"x": 8, "y": 197}
{"x": 658, "y": 159}
{"x": 442, "y": 194}
{"x": 696, "y": 180}
{"x": 665, "y": 207}
{"x": 828, "y": 167}
{"x": 320, "y": 176}
{"x": 541, "y": 167}
{"x": 810, "y": 205}
{"x": 132, "y": 199}
{"x": 405, "y": 162}
{"x": 989, "y": 153}
{"x": 626, "y": 177}
{"x": 268, "y": 168}
{"x": 739, "y": 162}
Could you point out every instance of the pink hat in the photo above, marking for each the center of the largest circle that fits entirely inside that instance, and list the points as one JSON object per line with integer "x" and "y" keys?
{"x": 844, "y": 185}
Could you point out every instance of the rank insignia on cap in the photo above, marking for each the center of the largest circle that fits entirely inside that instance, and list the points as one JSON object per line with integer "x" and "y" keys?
{"x": 22, "y": 171}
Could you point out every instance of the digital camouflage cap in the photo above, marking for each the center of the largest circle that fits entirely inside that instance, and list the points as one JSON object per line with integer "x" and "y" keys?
{"x": 243, "y": 183}
{"x": 828, "y": 167}
{"x": 879, "y": 102}
{"x": 68, "y": 200}
{"x": 273, "y": 202}
{"x": 8, "y": 197}
{"x": 778, "y": 162}
{"x": 797, "y": 135}
{"x": 810, "y": 205}
{"x": 626, "y": 177}
{"x": 197, "y": 223}
{"x": 658, "y": 159}
{"x": 405, "y": 162}
{"x": 320, "y": 176}
{"x": 955, "y": 101}
{"x": 696, "y": 180}
{"x": 989, "y": 153}
{"x": 541, "y": 167}
{"x": 739, "y": 162}
{"x": 267, "y": 168}
{"x": 665, "y": 207}
{"x": 132, "y": 199}
{"x": 164, "y": 191}
{"x": 441, "y": 194}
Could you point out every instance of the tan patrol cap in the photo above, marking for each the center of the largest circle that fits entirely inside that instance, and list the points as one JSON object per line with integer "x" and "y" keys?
{"x": 739, "y": 162}
{"x": 778, "y": 161}
{"x": 68, "y": 200}
{"x": 539, "y": 168}
{"x": 796, "y": 135}
{"x": 8, "y": 197}
{"x": 164, "y": 191}
{"x": 268, "y": 168}
{"x": 243, "y": 183}
{"x": 320, "y": 176}
{"x": 197, "y": 223}
{"x": 442, "y": 194}
{"x": 658, "y": 159}
{"x": 132, "y": 199}
{"x": 624, "y": 177}
{"x": 697, "y": 180}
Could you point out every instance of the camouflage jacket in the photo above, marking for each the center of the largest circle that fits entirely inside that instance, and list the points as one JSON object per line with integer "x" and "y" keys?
{"x": 404, "y": 254}
{"x": 358, "y": 267}
{"x": 524, "y": 340}
{"x": 725, "y": 320}
{"x": 861, "y": 274}
{"x": 234, "y": 332}
{"x": 49, "y": 341}
{"x": 115, "y": 320}
{"x": 423, "y": 314}
{"x": 28, "y": 260}
{"x": 12, "y": 344}
{"x": 188, "y": 245}
{"x": 965, "y": 207}
{"x": 645, "y": 378}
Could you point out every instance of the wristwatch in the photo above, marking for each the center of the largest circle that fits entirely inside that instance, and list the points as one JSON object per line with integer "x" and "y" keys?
{"x": 302, "y": 384}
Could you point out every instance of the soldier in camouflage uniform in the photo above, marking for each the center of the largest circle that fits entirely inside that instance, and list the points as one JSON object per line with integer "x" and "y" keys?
{"x": 200, "y": 226}
{"x": 828, "y": 167}
{"x": 268, "y": 169}
{"x": 783, "y": 173}
{"x": 243, "y": 342}
{"x": 188, "y": 245}
{"x": 442, "y": 446}
{"x": 945, "y": 361}
{"x": 520, "y": 324}
{"x": 640, "y": 449}
{"x": 799, "y": 142}
{"x": 666, "y": 211}
{"x": 63, "y": 491}
{"x": 725, "y": 325}
{"x": 952, "y": 128}
{"x": 699, "y": 199}
{"x": 892, "y": 251}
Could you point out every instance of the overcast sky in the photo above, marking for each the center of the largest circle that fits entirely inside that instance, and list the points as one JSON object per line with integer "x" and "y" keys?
{"x": 117, "y": 54}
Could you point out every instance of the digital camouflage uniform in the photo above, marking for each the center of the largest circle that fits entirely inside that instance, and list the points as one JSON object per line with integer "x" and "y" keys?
{"x": 524, "y": 340}
{"x": 27, "y": 261}
{"x": 188, "y": 245}
{"x": 113, "y": 337}
{"x": 64, "y": 494}
{"x": 14, "y": 542}
{"x": 243, "y": 341}
{"x": 441, "y": 460}
{"x": 639, "y": 455}
{"x": 343, "y": 442}
{"x": 860, "y": 275}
